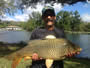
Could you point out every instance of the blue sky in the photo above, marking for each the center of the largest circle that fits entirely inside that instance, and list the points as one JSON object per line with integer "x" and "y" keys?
{"x": 82, "y": 8}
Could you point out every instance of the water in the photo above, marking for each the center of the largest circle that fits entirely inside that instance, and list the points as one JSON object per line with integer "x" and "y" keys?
{"x": 83, "y": 40}
{"x": 14, "y": 36}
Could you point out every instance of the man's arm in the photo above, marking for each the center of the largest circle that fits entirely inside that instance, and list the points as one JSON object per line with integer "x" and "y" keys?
{"x": 33, "y": 37}
{"x": 33, "y": 34}
{"x": 60, "y": 34}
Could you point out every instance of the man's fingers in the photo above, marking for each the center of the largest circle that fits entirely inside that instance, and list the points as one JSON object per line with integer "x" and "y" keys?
{"x": 77, "y": 52}
{"x": 72, "y": 54}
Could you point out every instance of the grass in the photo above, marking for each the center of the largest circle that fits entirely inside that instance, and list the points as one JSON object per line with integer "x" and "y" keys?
{"x": 68, "y": 63}
{"x": 77, "y": 63}
{"x": 4, "y": 63}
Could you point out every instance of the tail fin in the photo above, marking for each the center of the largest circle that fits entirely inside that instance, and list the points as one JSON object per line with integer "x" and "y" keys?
{"x": 10, "y": 56}
{"x": 15, "y": 62}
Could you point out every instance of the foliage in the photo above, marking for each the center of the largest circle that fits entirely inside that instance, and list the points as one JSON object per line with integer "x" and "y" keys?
{"x": 87, "y": 27}
{"x": 34, "y": 21}
{"x": 11, "y": 6}
{"x": 3, "y": 25}
{"x": 34, "y": 2}
{"x": 69, "y": 20}
{"x": 7, "y": 6}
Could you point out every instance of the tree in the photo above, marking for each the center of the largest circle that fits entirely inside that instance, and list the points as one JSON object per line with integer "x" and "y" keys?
{"x": 87, "y": 27}
{"x": 6, "y": 6}
{"x": 64, "y": 20}
{"x": 33, "y": 2}
{"x": 10, "y": 6}
{"x": 76, "y": 20}
{"x": 21, "y": 4}
{"x": 34, "y": 21}
{"x": 69, "y": 20}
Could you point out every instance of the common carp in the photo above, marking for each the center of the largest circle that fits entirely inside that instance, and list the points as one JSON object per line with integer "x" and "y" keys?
{"x": 49, "y": 49}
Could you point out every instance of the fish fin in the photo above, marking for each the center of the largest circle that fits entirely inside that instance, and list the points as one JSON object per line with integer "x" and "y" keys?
{"x": 16, "y": 62}
{"x": 27, "y": 58}
{"x": 49, "y": 62}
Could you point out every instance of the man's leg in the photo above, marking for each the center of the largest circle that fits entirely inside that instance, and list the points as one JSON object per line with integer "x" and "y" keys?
{"x": 58, "y": 64}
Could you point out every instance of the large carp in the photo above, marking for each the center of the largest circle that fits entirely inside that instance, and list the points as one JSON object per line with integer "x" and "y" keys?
{"x": 49, "y": 49}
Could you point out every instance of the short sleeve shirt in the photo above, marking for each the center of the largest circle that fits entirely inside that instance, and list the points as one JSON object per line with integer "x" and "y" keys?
{"x": 41, "y": 32}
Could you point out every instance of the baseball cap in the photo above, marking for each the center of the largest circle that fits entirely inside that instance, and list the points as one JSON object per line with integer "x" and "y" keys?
{"x": 48, "y": 8}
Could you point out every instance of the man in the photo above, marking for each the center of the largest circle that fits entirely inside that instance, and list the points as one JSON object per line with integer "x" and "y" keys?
{"x": 48, "y": 16}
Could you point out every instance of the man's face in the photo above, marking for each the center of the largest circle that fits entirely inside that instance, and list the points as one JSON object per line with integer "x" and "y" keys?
{"x": 49, "y": 18}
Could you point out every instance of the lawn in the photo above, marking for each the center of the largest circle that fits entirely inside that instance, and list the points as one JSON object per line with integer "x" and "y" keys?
{"x": 68, "y": 63}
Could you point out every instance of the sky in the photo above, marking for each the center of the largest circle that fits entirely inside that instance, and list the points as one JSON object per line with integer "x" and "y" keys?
{"x": 82, "y": 8}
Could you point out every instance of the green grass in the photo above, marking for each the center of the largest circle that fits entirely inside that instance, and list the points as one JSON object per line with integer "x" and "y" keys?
{"x": 71, "y": 63}
{"x": 68, "y": 63}
{"x": 4, "y": 63}
{"x": 77, "y": 63}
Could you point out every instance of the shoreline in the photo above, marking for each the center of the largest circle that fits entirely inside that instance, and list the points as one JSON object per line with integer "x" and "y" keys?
{"x": 77, "y": 32}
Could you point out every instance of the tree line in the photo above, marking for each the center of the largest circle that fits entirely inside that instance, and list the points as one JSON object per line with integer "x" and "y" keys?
{"x": 69, "y": 21}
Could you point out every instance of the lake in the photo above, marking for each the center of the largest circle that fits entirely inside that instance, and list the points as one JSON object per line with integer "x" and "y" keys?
{"x": 14, "y": 36}
{"x": 83, "y": 40}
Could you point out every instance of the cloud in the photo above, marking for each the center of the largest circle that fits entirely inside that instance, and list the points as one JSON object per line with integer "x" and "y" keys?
{"x": 7, "y": 1}
{"x": 86, "y": 5}
{"x": 23, "y": 17}
{"x": 7, "y": 18}
{"x": 57, "y": 7}
{"x": 40, "y": 6}
{"x": 86, "y": 17}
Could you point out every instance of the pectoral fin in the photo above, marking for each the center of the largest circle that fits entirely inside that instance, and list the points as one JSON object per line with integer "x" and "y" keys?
{"x": 49, "y": 63}
{"x": 16, "y": 62}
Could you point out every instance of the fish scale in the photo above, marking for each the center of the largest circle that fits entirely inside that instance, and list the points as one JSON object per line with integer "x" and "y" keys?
{"x": 51, "y": 48}
{"x": 55, "y": 49}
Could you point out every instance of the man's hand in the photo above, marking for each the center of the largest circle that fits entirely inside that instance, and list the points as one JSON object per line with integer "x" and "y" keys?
{"x": 72, "y": 54}
{"x": 35, "y": 57}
